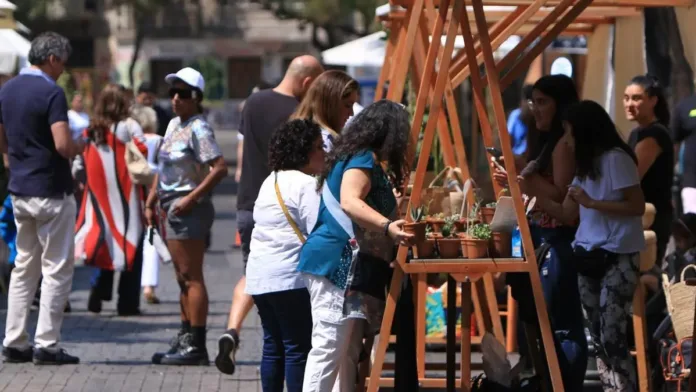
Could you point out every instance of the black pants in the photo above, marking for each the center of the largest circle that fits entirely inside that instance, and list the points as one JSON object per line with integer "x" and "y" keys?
{"x": 128, "y": 284}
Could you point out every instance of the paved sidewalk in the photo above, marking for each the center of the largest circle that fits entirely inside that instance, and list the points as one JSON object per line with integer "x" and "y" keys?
{"x": 116, "y": 351}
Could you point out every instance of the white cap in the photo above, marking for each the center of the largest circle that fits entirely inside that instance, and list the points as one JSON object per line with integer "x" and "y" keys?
{"x": 189, "y": 76}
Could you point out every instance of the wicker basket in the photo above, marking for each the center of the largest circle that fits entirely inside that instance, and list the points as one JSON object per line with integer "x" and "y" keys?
{"x": 681, "y": 302}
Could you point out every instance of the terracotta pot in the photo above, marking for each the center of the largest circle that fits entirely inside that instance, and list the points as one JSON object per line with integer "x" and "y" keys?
{"x": 417, "y": 229}
{"x": 461, "y": 236}
{"x": 425, "y": 250}
{"x": 449, "y": 247}
{"x": 436, "y": 224}
{"x": 475, "y": 248}
{"x": 434, "y": 235}
{"x": 460, "y": 225}
{"x": 487, "y": 214}
{"x": 501, "y": 245}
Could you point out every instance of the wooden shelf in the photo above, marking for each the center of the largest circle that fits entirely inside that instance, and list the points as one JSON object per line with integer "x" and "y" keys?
{"x": 463, "y": 266}
{"x": 598, "y": 3}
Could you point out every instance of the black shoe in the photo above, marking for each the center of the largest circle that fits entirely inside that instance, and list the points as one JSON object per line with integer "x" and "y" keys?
{"x": 227, "y": 350}
{"x": 129, "y": 312}
{"x": 94, "y": 303}
{"x": 174, "y": 346}
{"x": 187, "y": 355}
{"x": 60, "y": 357}
{"x": 15, "y": 355}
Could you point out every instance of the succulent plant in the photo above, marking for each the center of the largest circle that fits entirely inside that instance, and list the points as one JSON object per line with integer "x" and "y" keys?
{"x": 417, "y": 213}
{"x": 448, "y": 230}
{"x": 492, "y": 204}
{"x": 481, "y": 231}
{"x": 455, "y": 217}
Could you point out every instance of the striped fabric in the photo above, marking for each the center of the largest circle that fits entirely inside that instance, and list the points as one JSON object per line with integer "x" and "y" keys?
{"x": 110, "y": 223}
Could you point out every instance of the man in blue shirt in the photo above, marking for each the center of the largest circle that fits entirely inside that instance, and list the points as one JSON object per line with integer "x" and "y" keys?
{"x": 518, "y": 122}
{"x": 35, "y": 135}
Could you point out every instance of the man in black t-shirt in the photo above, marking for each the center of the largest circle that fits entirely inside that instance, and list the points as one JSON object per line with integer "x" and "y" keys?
{"x": 684, "y": 134}
{"x": 263, "y": 112}
{"x": 146, "y": 97}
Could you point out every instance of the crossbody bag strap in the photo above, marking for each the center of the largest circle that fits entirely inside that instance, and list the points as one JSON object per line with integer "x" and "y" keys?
{"x": 287, "y": 213}
{"x": 334, "y": 208}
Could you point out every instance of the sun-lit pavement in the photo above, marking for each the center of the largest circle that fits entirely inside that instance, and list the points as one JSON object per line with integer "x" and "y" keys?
{"x": 115, "y": 351}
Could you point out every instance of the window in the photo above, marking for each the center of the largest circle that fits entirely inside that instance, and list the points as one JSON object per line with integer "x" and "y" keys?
{"x": 243, "y": 73}
{"x": 158, "y": 70}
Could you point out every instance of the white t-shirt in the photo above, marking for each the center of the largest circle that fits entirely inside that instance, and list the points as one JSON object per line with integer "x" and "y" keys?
{"x": 615, "y": 233}
{"x": 275, "y": 248}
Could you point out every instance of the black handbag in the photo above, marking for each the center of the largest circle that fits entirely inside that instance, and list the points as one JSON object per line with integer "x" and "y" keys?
{"x": 371, "y": 276}
{"x": 593, "y": 263}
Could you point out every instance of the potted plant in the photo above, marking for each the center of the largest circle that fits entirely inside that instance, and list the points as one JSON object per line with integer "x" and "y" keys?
{"x": 459, "y": 222}
{"x": 417, "y": 225}
{"x": 436, "y": 221}
{"x": 426, "y": 249}
{"x": 449, "y": 244}
{"x": 501, "y": 245}
{"x": 476, "y": 241}
{"x": 487, "y": 212}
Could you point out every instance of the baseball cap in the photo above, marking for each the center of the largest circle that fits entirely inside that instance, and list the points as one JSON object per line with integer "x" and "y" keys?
{"x": 189, "y": 76}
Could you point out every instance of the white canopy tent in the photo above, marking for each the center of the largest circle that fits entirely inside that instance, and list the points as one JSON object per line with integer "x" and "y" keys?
{"x": 14, "y": 48}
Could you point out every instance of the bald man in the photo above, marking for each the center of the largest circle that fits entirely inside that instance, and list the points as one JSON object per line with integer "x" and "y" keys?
{"x": 263, "y": 112}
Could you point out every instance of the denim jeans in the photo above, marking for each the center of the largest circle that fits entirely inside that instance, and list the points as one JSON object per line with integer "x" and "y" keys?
{"x": 286, "y": 318}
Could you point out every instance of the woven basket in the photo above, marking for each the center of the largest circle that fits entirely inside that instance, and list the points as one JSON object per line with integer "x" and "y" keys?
{"x": 681, "y": 302}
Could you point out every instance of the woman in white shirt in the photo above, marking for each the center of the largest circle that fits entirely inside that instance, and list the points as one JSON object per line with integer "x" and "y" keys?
{"x": 329, "y": 102}
{"x": 285, "y": 213}
{"x": 607, "y": 197}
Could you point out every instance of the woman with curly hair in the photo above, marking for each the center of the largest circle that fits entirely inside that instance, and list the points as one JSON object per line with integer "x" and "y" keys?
{"x": 109, "y": 235}
{"x": 346, "y": 259}
{"x": 285, "y": 212}
{"x": 329, "y": 102}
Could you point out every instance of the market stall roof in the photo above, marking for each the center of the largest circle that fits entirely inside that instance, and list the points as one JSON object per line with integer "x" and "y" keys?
{"x": 14, "y": 50}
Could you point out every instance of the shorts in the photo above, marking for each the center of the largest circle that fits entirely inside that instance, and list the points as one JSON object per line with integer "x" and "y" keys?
{"x": 194, "y": 225}
{"x": 245, "y": 225}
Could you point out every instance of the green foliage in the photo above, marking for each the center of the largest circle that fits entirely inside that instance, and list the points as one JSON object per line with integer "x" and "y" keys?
{"x": 418, "y": 213}
{"x": 481, "y": 231}
{"x": 492, "y": 204}
{"x": 448, "y": 229}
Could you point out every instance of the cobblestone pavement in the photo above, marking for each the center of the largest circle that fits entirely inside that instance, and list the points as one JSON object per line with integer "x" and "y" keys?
{"x": 115, "y": 351}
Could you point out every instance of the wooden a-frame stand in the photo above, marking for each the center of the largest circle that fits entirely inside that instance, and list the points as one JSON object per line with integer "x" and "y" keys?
{"x": 413, "y": 30}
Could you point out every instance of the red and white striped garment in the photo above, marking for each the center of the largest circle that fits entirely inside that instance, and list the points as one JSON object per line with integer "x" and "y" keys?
{"x": 110, "y": 223}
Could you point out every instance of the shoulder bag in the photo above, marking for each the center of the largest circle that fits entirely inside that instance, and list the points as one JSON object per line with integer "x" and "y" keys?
{"x": 291, "y": 221}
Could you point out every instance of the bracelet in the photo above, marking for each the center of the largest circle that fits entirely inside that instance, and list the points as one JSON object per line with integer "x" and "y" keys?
{"x": 386, "y": 227}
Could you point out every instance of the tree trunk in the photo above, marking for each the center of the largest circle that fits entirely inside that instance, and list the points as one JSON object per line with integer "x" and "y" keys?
{"x": 665, "y": 53}
{"x": 139, "y": 38}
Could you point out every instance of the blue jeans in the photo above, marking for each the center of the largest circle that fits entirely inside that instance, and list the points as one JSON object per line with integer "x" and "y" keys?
{"x": 286, "y": 318}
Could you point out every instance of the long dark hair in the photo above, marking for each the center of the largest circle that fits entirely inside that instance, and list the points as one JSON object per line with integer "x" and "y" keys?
{"x": 562, "y": 90}
{"x": 383, "y": 128}
{"x": 652, "y": 88}
{"x": 594, "y": 133}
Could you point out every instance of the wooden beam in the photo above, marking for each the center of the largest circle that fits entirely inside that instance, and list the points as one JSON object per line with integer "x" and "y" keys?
{"x": 602, "y": 3}
{"x": 495, "y": 14}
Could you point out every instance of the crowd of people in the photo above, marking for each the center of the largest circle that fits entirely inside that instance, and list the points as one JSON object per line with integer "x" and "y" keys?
{"x": 317, "y": 213}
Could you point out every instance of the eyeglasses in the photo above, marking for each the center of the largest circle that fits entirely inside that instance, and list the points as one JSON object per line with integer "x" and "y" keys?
{"x": 183, "y": 93}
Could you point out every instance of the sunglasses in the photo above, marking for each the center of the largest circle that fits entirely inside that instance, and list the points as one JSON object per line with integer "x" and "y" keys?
{"x": 183, "y": 93}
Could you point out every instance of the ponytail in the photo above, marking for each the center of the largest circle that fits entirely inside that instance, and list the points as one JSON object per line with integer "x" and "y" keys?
{"x": 652, "y": 87}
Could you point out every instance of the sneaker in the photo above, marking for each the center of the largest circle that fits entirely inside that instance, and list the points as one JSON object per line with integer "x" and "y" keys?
{"x": 187, "y": 355}
{"x": 60, "y": 357}
{"x": 174, "y": 346}
{"x": 15, "y": 355}
{"x": 227, "y": 350}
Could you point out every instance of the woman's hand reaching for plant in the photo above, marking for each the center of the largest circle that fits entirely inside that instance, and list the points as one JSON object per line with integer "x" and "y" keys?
{"x": 397, "y": 233}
